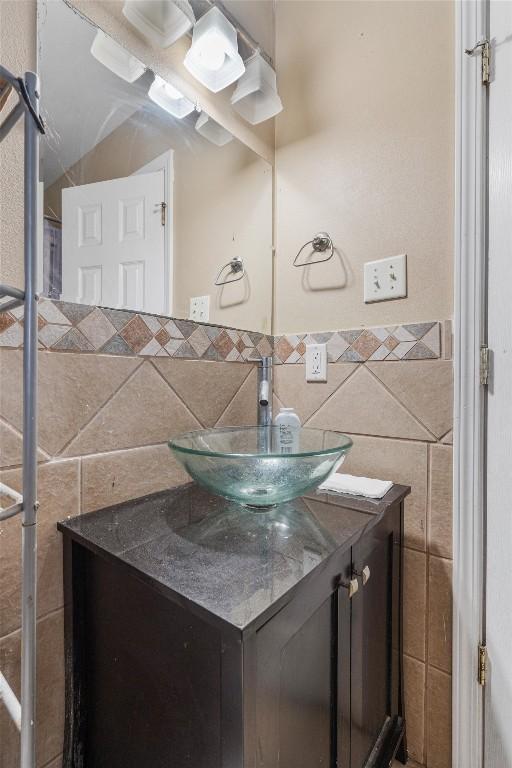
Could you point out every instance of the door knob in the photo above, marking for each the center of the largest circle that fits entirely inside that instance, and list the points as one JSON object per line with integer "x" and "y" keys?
{"x": 351, "y": 586}
{"x": 364, "y": 574}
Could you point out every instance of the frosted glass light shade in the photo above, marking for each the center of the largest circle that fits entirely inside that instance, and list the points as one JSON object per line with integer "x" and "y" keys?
{"x": 116, "y": 58}
{"x": 255, "y": 97}
{"x": 212, "y": 131}
{"x": 162, "y": 22}
{"x": 169, "y": 98}
{"x": 213, "y": 57}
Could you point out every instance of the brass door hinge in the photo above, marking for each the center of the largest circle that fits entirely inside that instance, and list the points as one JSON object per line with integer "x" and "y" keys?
{"x": 485, "y": 47}
{"x": 163, "y": 207}
{"x": 482, "y": 664}
{"x": 484, "y": 365}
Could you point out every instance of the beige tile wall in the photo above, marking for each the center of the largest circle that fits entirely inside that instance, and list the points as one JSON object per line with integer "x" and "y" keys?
{"x": 103, "y": 426}
{"x": 399, "y": 415}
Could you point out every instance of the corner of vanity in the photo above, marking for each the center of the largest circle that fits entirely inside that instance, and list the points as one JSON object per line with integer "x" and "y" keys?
{"x": 202, "y": 633}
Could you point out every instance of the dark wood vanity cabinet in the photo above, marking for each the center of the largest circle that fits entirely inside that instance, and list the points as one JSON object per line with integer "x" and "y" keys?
{"x": 376, "y": 701}
{"x": 202, "y": 634}
{"x": 324, "y": 676}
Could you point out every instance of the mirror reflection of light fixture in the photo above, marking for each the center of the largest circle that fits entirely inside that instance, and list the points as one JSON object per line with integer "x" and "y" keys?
{"x": 116, "y": 58}
{"x": 169, "y": 98}
{"x": 255, "y": 97}
{"x": 212, "y": 130}
{"x": 162, "y": 22}
{"x": 213, "y": 57}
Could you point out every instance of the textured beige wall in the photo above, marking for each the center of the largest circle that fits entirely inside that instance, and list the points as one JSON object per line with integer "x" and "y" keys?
{"x": 364, "y": 150}
{"x": 17, "y": 53}
{"x": 223, "y": 209}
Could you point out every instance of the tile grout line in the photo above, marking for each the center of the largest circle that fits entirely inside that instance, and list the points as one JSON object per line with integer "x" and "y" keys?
{"x": 424, "y": 663}
{"x": 80, "y": 485}
{"x": 237, "y": 393}
{"x": 43, "y": 617}
{"x": 19, "y": 434}
{"x": 413, "y": 440}
{"x": 52, "y": 759}
{"x": 183, "y": 403}
{"x": 337, "y": 389}
{"x": 427, "y": 624}
{"x": 14, "y": 467}
{"x": 100, "y": 409}
{"x": 440, "y": 439}
{"x": 86, "y": 456}
{"x": 397, "y": 399}
{"x": 424, "y": 552}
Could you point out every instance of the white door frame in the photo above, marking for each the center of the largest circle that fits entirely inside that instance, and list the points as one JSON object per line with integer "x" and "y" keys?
{"x": 165, "y": 163}
{"x": 469, "y": 400}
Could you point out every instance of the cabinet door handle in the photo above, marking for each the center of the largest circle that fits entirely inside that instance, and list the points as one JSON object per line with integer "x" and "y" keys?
{"x": 364, "y": 574}
{"x": 352, "y": 586}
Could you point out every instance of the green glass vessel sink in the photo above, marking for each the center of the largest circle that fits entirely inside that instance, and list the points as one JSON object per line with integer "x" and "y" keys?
{"x": 246, "y": 465}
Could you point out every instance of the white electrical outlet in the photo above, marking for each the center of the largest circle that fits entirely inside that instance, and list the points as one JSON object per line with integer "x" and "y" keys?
{"x": 316, "y": 362}
{"x": 385, "y": 279}
{"x": 200, "y": 309}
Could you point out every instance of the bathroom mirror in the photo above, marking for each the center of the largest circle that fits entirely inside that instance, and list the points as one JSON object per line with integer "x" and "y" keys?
{"x": 150, "y": 202}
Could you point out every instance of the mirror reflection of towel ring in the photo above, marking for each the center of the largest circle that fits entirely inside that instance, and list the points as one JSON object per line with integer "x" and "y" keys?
{"x": 236, "y": 266}
{"x": 321, "y": 243}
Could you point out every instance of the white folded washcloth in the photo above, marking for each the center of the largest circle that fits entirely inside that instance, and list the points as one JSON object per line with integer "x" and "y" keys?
{"x": 356, "y": 486}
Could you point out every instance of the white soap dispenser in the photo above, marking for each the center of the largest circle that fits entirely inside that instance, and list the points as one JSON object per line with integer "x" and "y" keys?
{"x": 288, "y": 425}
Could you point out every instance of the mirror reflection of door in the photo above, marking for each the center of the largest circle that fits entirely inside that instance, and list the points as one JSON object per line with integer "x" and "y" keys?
{"x": 114, "y": 245}
{"x": 103, "y": 186}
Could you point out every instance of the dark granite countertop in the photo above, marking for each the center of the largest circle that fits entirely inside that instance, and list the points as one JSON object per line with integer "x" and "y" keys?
{"x": 230, "y": 561}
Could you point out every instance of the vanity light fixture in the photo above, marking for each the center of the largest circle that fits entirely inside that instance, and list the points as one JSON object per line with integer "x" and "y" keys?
{"x": 255, "y": 97}
{"x": 116, "y": 58}
{"x": 212, "y": 130}
{"x": 213, "y": 57}
{"x": 162, "y": 22}
{"x": 169, "y": 98}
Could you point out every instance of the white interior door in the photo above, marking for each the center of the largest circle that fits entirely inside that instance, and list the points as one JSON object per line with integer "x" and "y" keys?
{"x": 165, "y": 164}
{"x": 113, "y": 243}
{"x": 498, "y": 692}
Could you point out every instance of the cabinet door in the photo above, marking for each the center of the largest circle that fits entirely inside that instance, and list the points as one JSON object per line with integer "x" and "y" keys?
{"x": 343, "y": 668}
{"x": 290, "y": 684}
{"x": 375, "y": 640}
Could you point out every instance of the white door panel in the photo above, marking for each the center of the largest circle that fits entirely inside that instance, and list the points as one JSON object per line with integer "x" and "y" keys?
{"x": 498, "y": 692}
{"x": 113, "y": 244}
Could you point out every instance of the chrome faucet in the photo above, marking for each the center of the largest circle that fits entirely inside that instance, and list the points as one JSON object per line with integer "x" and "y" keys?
{"x": 265, "y": 392}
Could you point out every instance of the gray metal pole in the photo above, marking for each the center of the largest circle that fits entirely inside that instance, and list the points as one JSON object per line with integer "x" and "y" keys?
{"x": 29, "y": 542}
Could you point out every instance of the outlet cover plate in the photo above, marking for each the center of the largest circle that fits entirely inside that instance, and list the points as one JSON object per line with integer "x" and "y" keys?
{"x": 385, "y": 279}
{"x": 316, "y": 362}
{"x": 200, "y": 309}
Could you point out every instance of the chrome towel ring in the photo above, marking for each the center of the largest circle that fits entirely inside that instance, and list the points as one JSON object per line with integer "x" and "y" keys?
{"x": 236, "y": 266}
{"x": 321, "y": 243}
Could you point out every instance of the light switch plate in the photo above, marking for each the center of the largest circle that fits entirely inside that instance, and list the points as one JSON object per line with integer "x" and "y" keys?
{"x": 316, "y": 362}
{"x": 200, "y": 309}
{"x": 385, "y": 279}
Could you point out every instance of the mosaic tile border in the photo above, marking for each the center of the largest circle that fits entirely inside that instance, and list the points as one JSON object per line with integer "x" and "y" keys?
{"x": 413, "y": 341}
{"x": 67, "y": 327}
